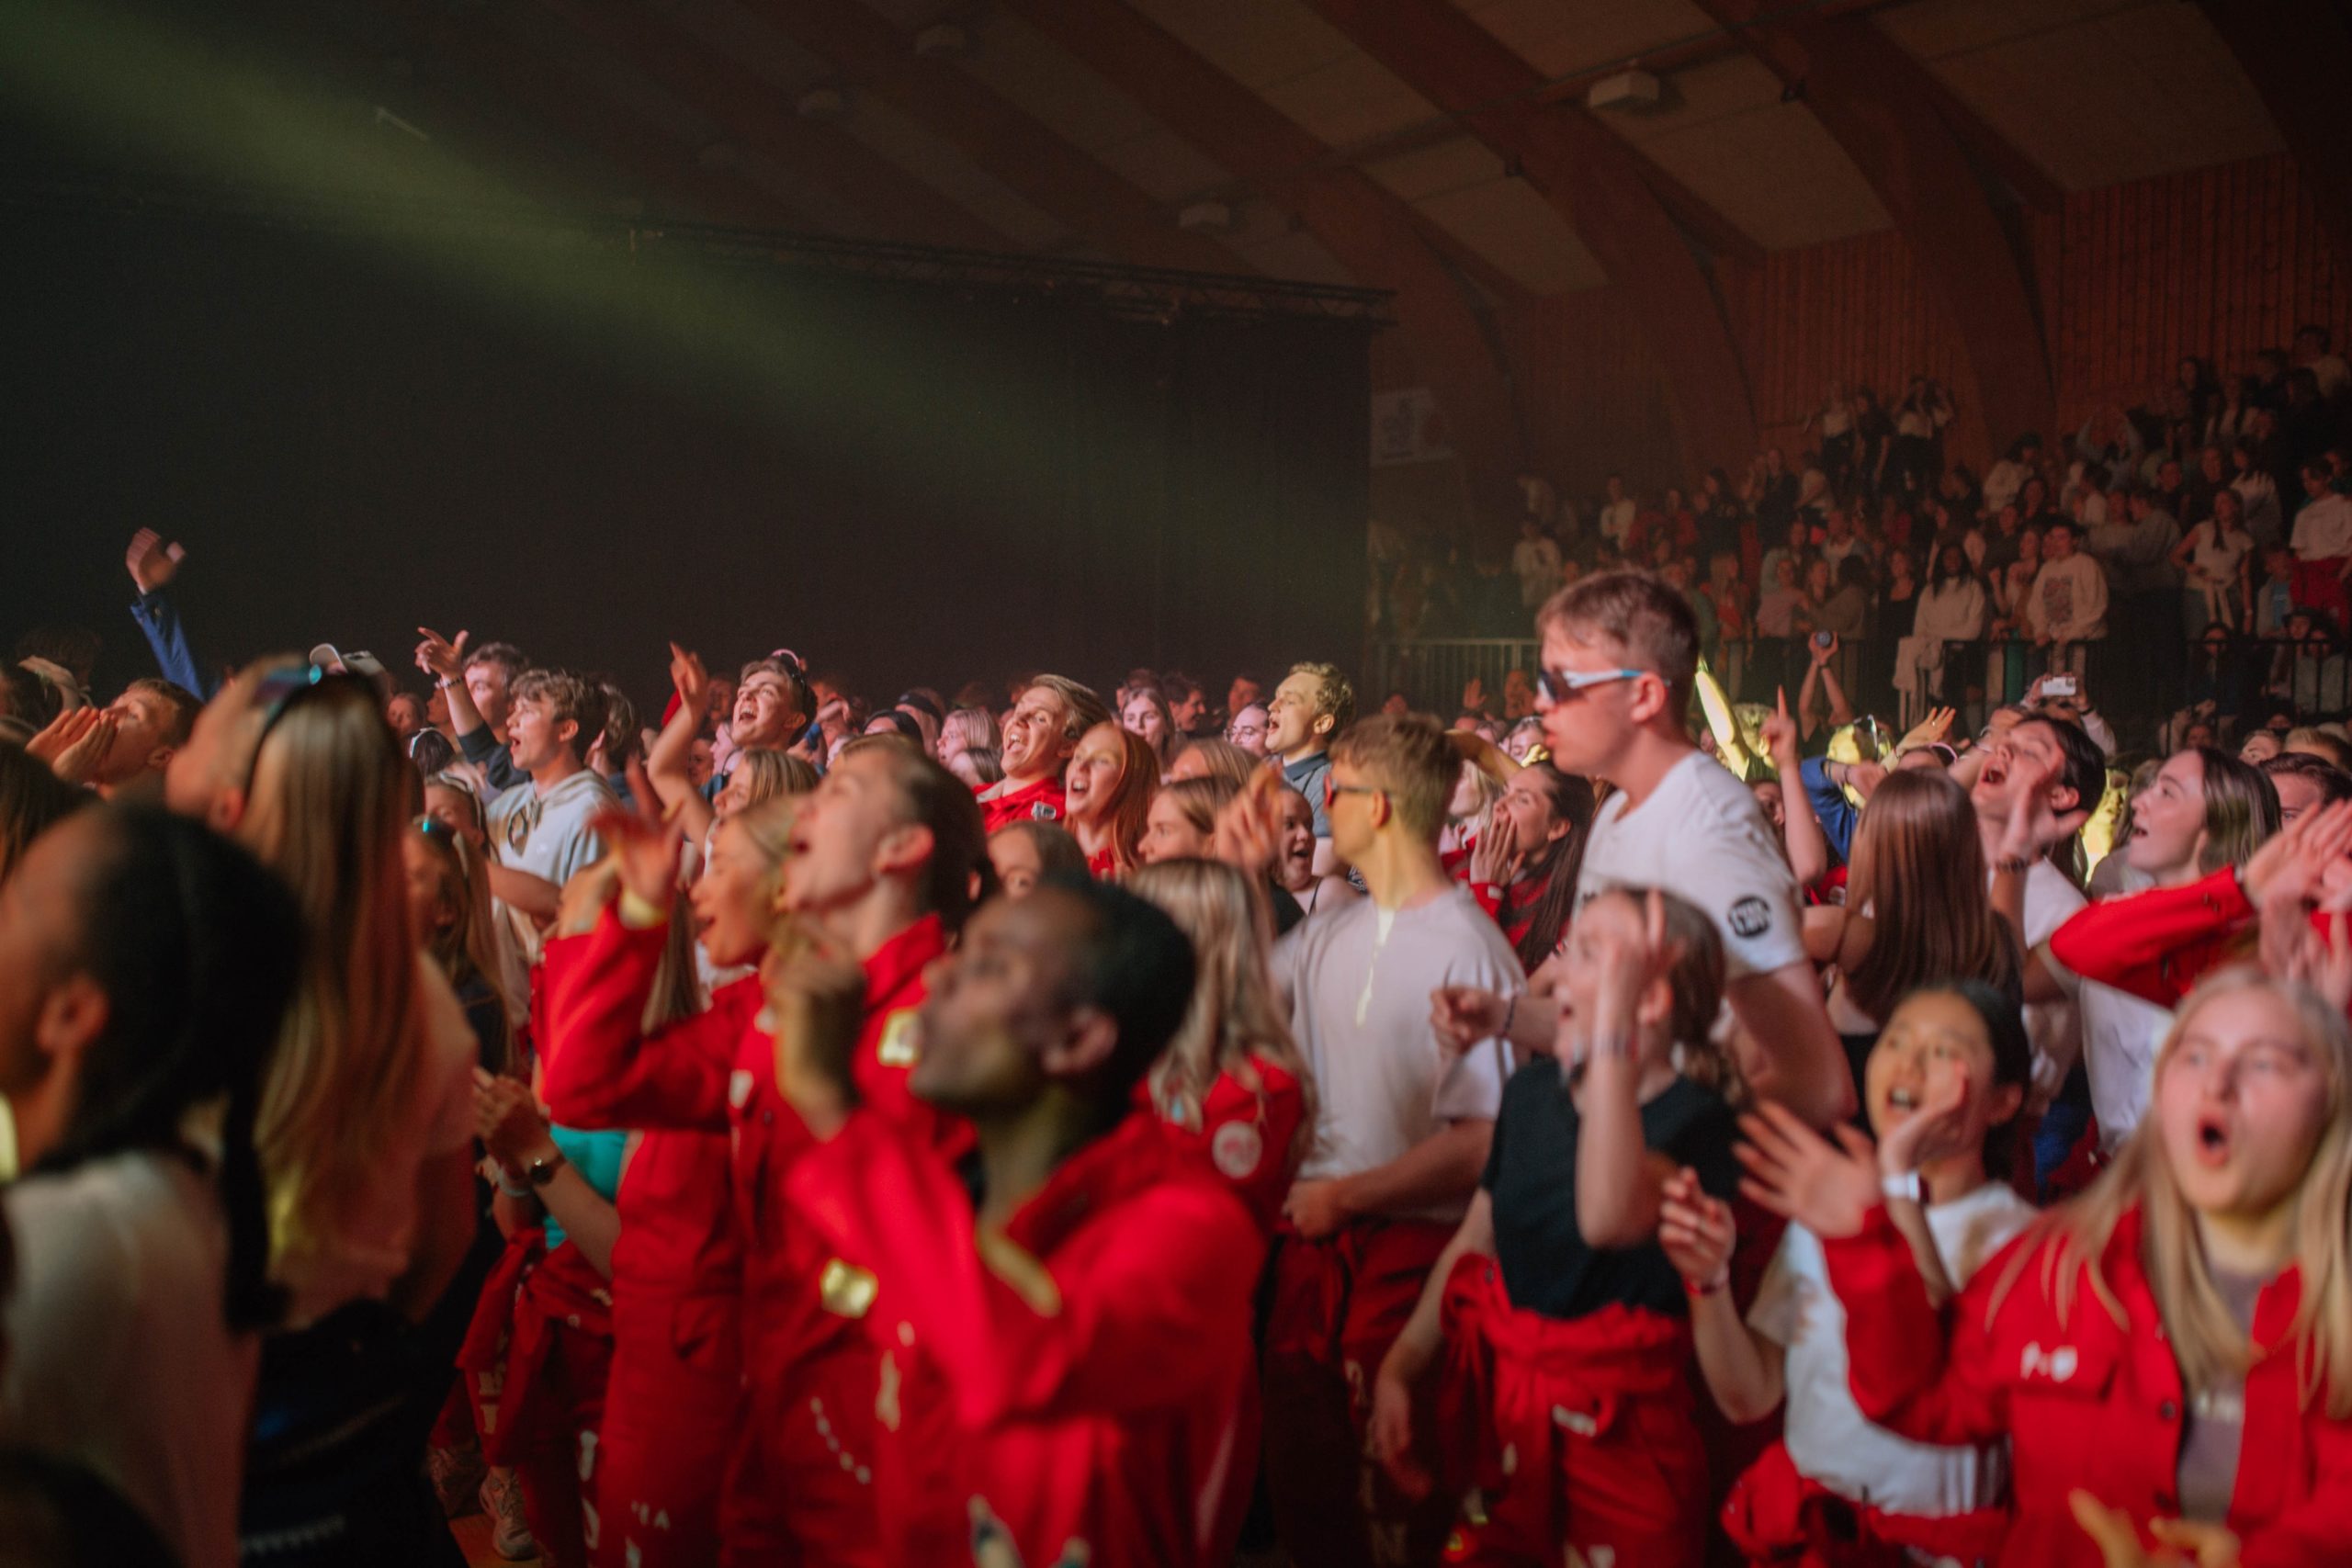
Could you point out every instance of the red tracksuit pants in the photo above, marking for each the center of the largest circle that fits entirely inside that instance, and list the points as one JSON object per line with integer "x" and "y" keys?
{"x": 1339, "y": 1305}
{"x": 669, "y": 1419}
{"x": 799, "y": 1489}
{"x": 1590, "y": 1450}
{"x": 536, "y": 1355}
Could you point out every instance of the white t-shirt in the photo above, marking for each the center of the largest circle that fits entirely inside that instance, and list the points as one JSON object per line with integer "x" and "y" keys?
{"x": 2121, "y": 1034}
{"x": 1359, "y": 981}
{"x": 377, "y": 1239}
{"x": 2054, "y": 1028}
{"x": 119, "y": 1352}
{"x": 1829, "y": 1439}
{"x": 1702, "y": 836}
{"x": 2323, "y": 529}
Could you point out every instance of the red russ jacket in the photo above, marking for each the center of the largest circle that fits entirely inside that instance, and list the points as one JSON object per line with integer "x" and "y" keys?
{"x": 2090, "y": 1403}
{"x": 1001, "y": 806}
{"x": 1072, "y": 1391}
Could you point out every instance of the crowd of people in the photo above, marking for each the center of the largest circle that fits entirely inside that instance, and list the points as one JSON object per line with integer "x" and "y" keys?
{"x": 2215, "y": 516}
{"x": 775, "y": 1127}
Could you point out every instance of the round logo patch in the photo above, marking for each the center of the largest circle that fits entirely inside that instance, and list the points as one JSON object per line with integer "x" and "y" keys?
{"x": 1235, "y": 1150}
{"x": 1751, "y": 917}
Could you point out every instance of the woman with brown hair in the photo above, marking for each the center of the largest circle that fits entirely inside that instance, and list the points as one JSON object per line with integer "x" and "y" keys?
{"x": 1523, "y": 870}
{"x": 1182, "y": 821}
{"x": 1917, "y": 908}
{"x": 1107, "y": 794}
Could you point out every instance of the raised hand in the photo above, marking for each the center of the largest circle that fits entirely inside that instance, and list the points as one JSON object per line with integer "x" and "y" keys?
{"x": 1695, "y": 1231}
{"x": 1821, "y": 655}
{"x": 2033, "y": 826}
{"x": 643, "y": 844}
{"x": 1780, "y": 735}
{"x": 507, "y": 1119}
{"x": 1464, "y": 1015}
{"x": 691, "y": 680}
{"x": 1495, "y": 859}
{"x": 1929, "y": 730}
{"x": 1799, "y": 1175}
{"x": 2323, "y": 964}
{"x": 816, "y": 995}
{"x": 1930, "y": 1132}
{"x": 2290, "y": 863}
{"x": 78, "y": 761}
{"x": 1248, "y": 832}
{"x": 152, "y": 563}
{"x": 440, "y": 658}
{"x": 63, "y": 732}
{"x": 1632, "y": 959}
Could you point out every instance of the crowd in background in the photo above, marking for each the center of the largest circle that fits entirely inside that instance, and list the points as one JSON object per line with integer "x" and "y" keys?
{"x": 1145, "y": 1123}
{"x": 2187, "y": 553}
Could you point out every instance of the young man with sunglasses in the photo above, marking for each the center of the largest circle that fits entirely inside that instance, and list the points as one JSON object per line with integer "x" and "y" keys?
{"x": 1401, "y": 1136}
{"x": 1620, "y": 652}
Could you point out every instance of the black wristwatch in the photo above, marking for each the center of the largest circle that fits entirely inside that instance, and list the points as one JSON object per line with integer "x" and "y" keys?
{"x": 541, "y": 1171}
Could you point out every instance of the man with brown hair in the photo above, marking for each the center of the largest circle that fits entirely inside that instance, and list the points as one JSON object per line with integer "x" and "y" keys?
{"x": 543, "y": 827}
{"x": 1620, "y": 653}
{"x": 1040, "y": 733}
{"x": 1401, "y": 1136}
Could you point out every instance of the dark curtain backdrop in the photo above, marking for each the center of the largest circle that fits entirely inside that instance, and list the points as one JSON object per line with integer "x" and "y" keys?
{"x": 350, "y": 444}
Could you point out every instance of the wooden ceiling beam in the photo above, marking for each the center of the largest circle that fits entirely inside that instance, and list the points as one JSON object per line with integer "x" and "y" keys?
{"x": 1456, "y": 347}
{"x": 1609, "y": 194}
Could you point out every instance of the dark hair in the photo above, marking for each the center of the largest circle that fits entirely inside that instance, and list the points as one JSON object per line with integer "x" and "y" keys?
{"x": 197, "y": 946}
{"x": 623, "y": 740}
{"x": 917, "y": 700}
{"x": 901, "y": 725}
{"x": 59, "y": 1513}
{"x": 2012, "y": 1056}
{"x": 31, "y": 799}
{"x": 431, "y": 751}
{"x": 2334, "y": 782}
{"x": 505, "y": 654}
{"x": 1854, "y": 572}
{"x": 1135, "y": 963}
{"x": 26, "y": 698}
{"x": 183, "y": 704}
{"x": 2085, "y": 769}
{"x": 1572, "y": 802}
{"x": 1059, "y": 851}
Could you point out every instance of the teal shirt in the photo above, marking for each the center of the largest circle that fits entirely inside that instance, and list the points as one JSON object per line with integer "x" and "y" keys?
{"x": 597, "y": 1157}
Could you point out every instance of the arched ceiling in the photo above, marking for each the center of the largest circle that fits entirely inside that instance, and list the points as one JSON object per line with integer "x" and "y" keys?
{"x": 1440, "y": 148}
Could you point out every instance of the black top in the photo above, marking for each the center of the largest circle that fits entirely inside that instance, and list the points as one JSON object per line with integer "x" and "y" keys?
{"x": 1531, "y": 1173}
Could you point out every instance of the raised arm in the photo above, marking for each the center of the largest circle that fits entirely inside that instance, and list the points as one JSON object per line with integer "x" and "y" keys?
{"x": 445, "y": 661}
{"x": 1808, "y": 844}
{"x": 1619, "y": 1179}
{"x": 152, "y": 565}
{"x": 1743, "y": 1368}
{"x": 665, "y": 764}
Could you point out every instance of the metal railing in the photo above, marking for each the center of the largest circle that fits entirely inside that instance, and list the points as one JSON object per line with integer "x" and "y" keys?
{"x": 1433, "y": 671}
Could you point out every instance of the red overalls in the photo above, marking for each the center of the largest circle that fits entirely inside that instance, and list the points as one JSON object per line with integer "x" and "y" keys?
{"x": 1040, "y": 802}
{"x": 799, "y": 1488}
{"x": 536, "y": 1357}
{"x": 670, "y": 1406}
{"x": 1586, "y": 1446}
{"x": 2085, "y": 1402}
{"x": 1068, "y": 1390}
{"x": 1775, "y": 1514}
{"x": 1339, "y": 1305}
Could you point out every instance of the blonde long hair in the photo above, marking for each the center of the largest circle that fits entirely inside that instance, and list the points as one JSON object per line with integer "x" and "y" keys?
{"x": 1233, "y": 1016}
{"x": 326, "y": 809}
{"x": 2211, "y": 1348}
